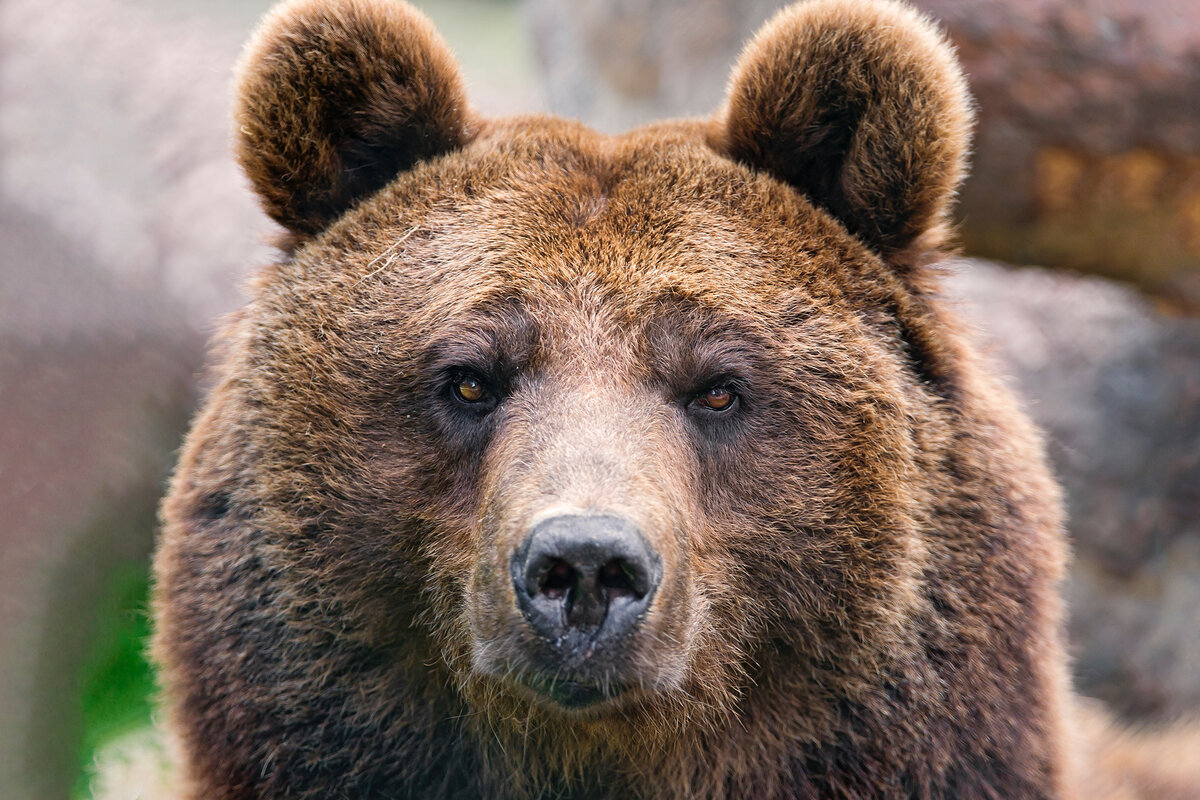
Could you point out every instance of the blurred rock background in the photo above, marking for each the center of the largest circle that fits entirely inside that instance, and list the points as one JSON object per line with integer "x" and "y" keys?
{"x": 125, "y": 230}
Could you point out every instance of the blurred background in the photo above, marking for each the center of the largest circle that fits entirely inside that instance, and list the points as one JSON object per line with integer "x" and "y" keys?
{"x": 126, "y": 231}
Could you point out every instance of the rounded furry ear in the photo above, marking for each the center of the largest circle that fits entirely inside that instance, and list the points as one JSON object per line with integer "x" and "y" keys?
{"x": 860, "y": 105}
{"x": 335, "y": 98}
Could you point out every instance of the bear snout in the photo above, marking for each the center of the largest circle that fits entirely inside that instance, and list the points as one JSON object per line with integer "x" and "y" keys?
{"x": 582, "y": 588}
{"x": 585, "y": 581}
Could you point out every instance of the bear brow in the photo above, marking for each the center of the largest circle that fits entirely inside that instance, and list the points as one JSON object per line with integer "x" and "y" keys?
{"x": 502, "y": 337}
{"x": 679, "y": 312}
{"x": 687, "y": 339}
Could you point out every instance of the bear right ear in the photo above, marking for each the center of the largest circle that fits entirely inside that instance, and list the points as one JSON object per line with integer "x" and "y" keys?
{"x": 335, "y": 98}
{"x": 863, "y": 108}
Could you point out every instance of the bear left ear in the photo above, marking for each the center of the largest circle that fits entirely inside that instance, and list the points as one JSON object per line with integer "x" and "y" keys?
{"x": 335, "y": 98}
{"x": 860, "y": 105}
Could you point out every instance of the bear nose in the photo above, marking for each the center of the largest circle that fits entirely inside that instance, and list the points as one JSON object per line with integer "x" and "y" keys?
{"x": 585, "y": 574}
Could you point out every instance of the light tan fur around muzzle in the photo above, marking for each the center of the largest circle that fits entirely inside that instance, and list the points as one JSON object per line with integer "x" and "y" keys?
{"x": 590, "y": 446}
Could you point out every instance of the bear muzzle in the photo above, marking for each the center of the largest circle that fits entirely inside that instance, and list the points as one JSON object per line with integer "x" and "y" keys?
{"x": 585, "y": 584}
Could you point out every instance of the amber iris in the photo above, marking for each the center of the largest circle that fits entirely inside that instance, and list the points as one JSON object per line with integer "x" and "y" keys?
{"x": 718, "y": 398}
{"x": 470, "y": 390}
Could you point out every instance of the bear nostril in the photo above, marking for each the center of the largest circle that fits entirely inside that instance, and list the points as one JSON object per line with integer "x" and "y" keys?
{"x": 616, "y": 579}
{"x": 559, "y": 580}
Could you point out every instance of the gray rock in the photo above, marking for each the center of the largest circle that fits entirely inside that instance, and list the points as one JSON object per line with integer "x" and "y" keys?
{"x": 1088, "y": 147}
{"x": 619, "y": 63}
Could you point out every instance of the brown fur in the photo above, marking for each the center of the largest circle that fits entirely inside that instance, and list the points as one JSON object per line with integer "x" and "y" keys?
{"x": 861, "y": 565}
{"x": 335, "y": 99}
{"x": 879, "y": 138}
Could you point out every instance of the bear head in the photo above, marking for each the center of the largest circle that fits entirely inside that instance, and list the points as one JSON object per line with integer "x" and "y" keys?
{"x": 588, "y": 450}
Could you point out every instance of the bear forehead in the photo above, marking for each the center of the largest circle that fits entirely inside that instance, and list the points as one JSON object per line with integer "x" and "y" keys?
{"x": 540, "y": 212}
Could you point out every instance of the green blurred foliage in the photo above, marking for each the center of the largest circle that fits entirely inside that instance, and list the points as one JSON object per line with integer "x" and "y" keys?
{"x": 117, "y": 683}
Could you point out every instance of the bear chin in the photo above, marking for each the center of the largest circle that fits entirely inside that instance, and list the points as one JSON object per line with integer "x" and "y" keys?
{"x": 572, "y": 695}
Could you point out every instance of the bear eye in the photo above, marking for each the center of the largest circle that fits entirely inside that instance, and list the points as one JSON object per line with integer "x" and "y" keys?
{"x": 470, "y": 390}
{"x": 718, "y": 398}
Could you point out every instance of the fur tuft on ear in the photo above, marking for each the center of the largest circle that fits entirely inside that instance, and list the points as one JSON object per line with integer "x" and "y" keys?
{"x": 860, "y": 105}
{"x": 335, "y": 98}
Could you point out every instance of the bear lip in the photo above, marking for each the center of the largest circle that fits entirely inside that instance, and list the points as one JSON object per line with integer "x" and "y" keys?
{"x": 570, "y": 694}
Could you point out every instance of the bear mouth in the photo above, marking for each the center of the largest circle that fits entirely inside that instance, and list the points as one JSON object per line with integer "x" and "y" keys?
{"x": 571, "y": 694}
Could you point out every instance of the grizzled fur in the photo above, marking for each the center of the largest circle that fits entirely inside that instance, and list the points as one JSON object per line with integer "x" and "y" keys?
{"x": 861, "y": 557}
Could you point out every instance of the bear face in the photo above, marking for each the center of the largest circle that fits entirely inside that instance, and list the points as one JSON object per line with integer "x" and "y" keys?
{"x": 594, "y": 351}
{"x": 553, "y": 463}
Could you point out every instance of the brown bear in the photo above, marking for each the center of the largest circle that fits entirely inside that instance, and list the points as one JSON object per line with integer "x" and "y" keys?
{"x": 549, "y": 464}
